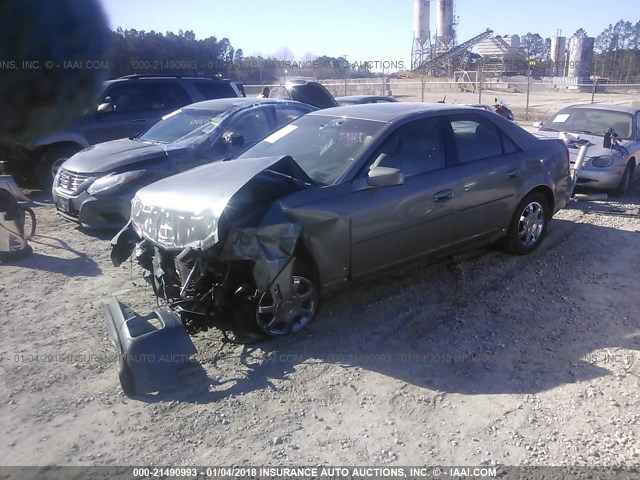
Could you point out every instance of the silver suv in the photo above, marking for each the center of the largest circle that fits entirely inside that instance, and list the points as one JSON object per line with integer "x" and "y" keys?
{"x": 126, "y": 106}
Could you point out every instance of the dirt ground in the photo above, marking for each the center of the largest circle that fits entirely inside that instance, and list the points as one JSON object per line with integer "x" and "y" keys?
{"x": 484, "y": 358}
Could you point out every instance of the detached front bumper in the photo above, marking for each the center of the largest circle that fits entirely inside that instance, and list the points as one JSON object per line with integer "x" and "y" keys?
{"x": 151, "y": 349}
{"x": 99, "y": 212}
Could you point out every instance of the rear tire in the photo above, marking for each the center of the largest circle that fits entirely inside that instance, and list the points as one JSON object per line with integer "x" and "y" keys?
{"x": 53, "y": 157}
{"x": 529, "y": 225}
{"x": 625, "y": 181}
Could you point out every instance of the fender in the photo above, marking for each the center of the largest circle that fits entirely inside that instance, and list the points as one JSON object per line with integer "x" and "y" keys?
{"x": 61, "y": 137}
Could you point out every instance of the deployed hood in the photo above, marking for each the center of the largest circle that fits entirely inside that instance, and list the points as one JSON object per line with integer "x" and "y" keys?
{"x": 312, "y": 93}
{"x": 109, "y": 156}
{"x": 184, "y": 210}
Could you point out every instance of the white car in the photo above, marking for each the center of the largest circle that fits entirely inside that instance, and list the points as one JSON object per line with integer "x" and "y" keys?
{"x": 612, "y": 135}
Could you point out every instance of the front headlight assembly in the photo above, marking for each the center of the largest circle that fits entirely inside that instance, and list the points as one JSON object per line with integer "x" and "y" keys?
{"x": 602, "y": 161}
{"x": 113, "y": 180}
{"x": 174, "y": 230}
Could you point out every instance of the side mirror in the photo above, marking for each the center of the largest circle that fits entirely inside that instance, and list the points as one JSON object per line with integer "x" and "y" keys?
{"x": 385, "y": 177}
{"x": 538, "y": 124}
{"x": 106, "y": 107}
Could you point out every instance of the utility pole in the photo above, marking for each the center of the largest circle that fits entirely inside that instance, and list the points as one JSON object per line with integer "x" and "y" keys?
{"x": 593, "y": 80}
{"x": 346, "y": 75}
{"x": 526, "y": 112}
{"x": 479, "y": 79}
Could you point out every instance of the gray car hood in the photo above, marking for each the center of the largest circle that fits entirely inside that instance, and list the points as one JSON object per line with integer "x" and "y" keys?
{"x": 109, "y": 156}
{"x": 199, "y": 195}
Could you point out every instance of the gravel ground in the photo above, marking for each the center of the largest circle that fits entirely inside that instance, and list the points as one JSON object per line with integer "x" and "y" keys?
{"x": 484, "y": 358}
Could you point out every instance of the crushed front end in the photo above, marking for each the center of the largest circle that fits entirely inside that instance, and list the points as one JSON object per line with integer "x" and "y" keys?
{"x": 211, "y": 257}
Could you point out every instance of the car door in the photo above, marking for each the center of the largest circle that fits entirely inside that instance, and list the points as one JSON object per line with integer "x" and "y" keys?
{"x": 393, "y": 224}
{"x": 489, "y": 171}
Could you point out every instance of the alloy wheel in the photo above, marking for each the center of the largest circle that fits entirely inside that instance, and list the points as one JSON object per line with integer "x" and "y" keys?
{"x": 531, "y": 224}
{"x": 288, "y": 315}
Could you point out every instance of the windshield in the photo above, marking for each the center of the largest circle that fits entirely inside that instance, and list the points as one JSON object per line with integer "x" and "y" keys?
{"x": 592, "y": 121}
{"x": 193, "y": 123}
{"x": 324, "y": 147}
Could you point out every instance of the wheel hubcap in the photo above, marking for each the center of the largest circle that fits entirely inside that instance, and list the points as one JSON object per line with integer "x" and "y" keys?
{"x": 290, "y": 315}
{"x": 531, "y": 224}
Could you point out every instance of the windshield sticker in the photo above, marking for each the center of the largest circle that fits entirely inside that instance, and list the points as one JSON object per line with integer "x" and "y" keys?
{"x": 172, "y": 114}
{"x": 283, "y": 132}
{"x": 561, "y": 118}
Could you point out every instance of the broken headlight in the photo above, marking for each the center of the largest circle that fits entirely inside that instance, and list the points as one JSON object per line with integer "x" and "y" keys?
{"x": 174, "y": 230}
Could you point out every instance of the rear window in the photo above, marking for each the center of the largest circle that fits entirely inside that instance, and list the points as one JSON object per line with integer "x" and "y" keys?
{"x": 211, "y": 90}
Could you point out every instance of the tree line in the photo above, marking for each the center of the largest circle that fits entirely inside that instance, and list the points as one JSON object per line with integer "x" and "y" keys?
{"x": 138, "y": 51}
{"x": 616, "y": 57}
{"x": 616, "y": 52}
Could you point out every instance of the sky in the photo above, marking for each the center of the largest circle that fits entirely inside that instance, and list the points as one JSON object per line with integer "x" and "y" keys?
{"x": 373, "y": 30}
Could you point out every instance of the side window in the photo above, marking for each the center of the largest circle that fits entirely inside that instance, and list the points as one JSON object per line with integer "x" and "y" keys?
{"x": 476, "y": 139}
{"x": 414, "y": 148}
{"x": 638, "y": 127}
{"x": 127, "y": 98}
{"x": 165, "y": 96}
{"x": 211, "y": 90}
{"x": 140, "y": 97}
{"x": 285, "y": 115}
{"x": 251, "y": 126}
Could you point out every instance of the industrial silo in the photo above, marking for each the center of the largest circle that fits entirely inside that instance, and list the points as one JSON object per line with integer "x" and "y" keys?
{"x": 421, "y": 33}
{"x": 558, "y": 56}
{"x": 580, "y": 62}
{"x": 444, "y": 31}
{"x": 421, "y": 19}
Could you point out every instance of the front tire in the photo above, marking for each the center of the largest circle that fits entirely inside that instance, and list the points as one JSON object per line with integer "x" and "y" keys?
{"x": 53, "y": 157}
{"x": 625, "y": 181}
{"x": 283, "y": 317}
{"x": 529, "y": 225}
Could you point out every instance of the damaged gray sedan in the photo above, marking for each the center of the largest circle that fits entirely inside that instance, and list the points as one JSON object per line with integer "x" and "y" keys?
{"x": 334, "y": 196}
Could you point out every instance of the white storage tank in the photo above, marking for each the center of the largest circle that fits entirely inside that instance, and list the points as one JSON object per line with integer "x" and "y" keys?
{"x": 421, "y": 19}
{"x": 444, "y": 31}
{"x": 580, "y": 62}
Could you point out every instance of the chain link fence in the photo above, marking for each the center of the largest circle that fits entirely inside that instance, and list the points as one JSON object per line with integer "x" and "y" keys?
{"x": 531, "y": 99}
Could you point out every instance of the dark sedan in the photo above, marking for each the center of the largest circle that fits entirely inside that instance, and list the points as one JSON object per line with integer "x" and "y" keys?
{"x": 95, "y": 186}
{"x": 363, "y": 99}
{"x": 336, "y": 195}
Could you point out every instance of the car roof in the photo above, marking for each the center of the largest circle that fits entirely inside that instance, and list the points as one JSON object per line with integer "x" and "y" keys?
{"x": 610, "y": 107}
{"x": 389, "y": 112}
{"x": 360, "y": 97}
{"x": 240, "y": 102}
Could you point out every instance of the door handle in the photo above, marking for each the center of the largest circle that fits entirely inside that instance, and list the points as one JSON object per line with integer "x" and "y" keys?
{"x": 443, "y": 196}
{"x": 139, "y": 120}
{"x": 513, "y": 173}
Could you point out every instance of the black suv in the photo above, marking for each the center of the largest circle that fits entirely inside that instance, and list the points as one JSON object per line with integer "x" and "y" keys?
{"x": 126, "y": 106}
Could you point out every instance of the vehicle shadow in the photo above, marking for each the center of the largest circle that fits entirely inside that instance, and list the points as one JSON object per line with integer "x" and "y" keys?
{"x": 81, "y": 265}
{"x": 99, "y": 234}
{"x": 483, "y": 322}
